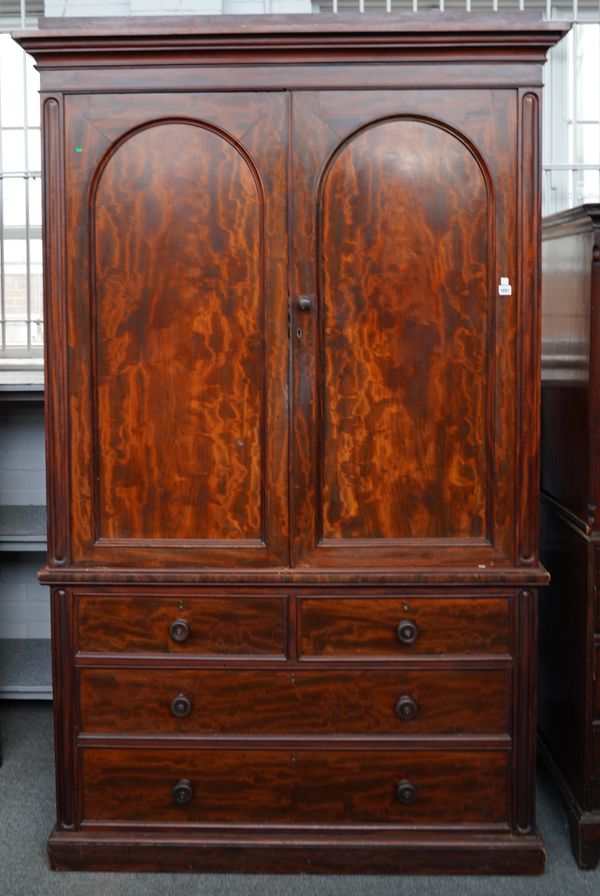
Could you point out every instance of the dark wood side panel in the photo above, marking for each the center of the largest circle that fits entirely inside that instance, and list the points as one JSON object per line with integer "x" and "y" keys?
{"x": 368, "y": 627}
{"x": 290, "y": 787}
{"x": 283, "y": 703}
{"x": 563, "y": 716}
{"x": 219, "y": 625}
{"x": 596, "y": 707}
{"x": 569, "y": 533}
{"x": 566, "y": 285}
{"x": 595, "y": 780}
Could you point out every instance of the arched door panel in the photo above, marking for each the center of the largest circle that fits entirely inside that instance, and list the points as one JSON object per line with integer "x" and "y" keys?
{"x": 179, "y": 359}
{"x": 396, "y": 429}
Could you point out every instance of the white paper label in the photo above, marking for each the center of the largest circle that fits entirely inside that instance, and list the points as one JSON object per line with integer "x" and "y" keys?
{"x": 505, "y": 289}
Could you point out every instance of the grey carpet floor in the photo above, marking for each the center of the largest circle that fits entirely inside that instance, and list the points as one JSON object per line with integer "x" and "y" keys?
{"x": 25, "y": 668}
{"x": 27, "y": 814}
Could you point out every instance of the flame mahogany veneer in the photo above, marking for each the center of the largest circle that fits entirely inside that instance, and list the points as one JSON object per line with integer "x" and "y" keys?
{"x": 292, "y": 430}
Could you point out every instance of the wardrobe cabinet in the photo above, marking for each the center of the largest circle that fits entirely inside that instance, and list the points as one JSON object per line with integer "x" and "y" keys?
{"x": 570, "y": 630}
{"x": 293, "y": 361}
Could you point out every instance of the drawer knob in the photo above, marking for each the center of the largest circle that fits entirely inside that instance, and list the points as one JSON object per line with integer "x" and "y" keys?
{"x": 406, "y": 708}
{"x": 407, "y": 632}
{"x": 181, "y": 706}
{"x": 406, "y": 792}
{"x": 180, "y": 630}
{"x": 182, "y": 792}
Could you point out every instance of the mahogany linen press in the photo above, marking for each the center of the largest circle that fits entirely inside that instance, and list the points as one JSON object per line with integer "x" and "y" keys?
{"x": 291, "y": 283}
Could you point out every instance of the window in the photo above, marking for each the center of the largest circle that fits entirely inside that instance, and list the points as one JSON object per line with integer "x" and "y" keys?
{"x": 571, "y": 134}
{"x": 21, "y": 327}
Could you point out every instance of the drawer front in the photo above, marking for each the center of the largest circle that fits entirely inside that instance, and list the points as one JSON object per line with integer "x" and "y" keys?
{"x": 202, "y": 626}
{"x": 398, "y": 628}
{"x": 597, "y": 682}
{"x": 276, "y": 702}
{"x": 595, "y": 776}
{"x": 295, "y": 787}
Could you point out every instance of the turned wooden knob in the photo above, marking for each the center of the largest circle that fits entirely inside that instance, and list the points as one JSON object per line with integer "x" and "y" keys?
{"x": 406, "y": 792}
{"x": 407, "y": 632}
{"x": 182, "y": 792}
{"x": 406, "y": 708}
{"x": 179, "y": 630}
{"x": 181, "y": 706}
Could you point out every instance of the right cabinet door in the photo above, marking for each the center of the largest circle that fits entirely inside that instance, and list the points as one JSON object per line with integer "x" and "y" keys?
{"x": 404, "y": 352}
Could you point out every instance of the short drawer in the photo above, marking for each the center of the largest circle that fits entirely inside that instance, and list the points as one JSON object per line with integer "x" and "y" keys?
{"x": 277, "y": 702}
{"x": 202, "y": 626}
{"x": 373, "y": 627}
{"x": 274, "y": 786}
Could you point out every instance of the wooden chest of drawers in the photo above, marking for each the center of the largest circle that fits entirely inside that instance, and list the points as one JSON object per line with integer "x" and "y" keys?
{"x": 292, "y": 307}
{"x": 570, "y": 621}
{"x": 201, "y": 711}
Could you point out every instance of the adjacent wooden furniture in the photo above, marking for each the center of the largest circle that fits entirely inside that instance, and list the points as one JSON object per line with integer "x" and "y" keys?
{"x": 292, "y": 302}
{"x": 570, "y": 630}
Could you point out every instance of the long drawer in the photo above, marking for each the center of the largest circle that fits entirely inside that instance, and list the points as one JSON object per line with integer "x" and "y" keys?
{"x": 355, "y": 628}
{"x": 201, "y": 626}
{"x": 279, "y": 702}
{"x": 275, "y": 786}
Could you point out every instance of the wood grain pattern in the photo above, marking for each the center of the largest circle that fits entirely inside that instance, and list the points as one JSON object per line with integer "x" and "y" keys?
{"x": 295, "y": 786}
{"x": 404, "y": 443}
{"x": 311, "y": 204}
{"x": 277, "y": 39}
{"x": 361, "y": 627}
{"x": 178, "y": 237}
{"x": 275, "y": 702}
{"x": 344, "y": 853}
{"x": 178, "y": 400}
{"x": 220, "y": 625}
{"x": 64, "y": 701}
{"x": 296, "y": 76}
{"x": 405, "y": 307}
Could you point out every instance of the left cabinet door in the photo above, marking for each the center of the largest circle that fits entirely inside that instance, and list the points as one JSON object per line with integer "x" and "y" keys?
{"x": 176, "y": 273}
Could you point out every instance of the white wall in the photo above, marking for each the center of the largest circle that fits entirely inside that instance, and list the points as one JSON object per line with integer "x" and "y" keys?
{"x": 24, "y": 604}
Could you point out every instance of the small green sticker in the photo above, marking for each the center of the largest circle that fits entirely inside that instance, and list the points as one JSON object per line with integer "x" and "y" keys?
{"x": 79, "y": 149}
